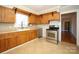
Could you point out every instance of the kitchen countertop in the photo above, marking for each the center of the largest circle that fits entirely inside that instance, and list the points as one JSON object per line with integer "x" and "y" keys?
{"x": 15, "y": 30}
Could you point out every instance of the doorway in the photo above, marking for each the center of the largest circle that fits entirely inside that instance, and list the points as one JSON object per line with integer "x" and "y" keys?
{"x": 67, "y": 26}
{"x": 68, "y": 22}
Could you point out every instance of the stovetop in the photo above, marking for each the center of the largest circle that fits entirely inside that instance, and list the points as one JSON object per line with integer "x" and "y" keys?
{"x": 53, "y": 28}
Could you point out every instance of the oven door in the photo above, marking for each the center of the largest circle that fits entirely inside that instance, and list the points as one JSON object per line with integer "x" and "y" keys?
{"x": 52, "y": 35}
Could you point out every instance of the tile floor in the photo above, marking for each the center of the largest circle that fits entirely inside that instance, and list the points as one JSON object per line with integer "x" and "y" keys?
{"x": 42, "y": 46}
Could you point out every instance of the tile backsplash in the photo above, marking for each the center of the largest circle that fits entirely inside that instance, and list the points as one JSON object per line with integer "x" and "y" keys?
{"x": 6, "y": 26}
{"x": 54, "y": 22}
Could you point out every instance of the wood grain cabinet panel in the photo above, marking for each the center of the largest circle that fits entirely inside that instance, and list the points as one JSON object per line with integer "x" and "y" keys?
{"x": 32, "y": 19}
{"x": 22, "y": 37}
{"x": 53, "y": 16}
{"x": 3, "y": 42}
{"x": 28, "y": 36}
{"x": 50, "y": 16}
{"x": 38, "y": 19}
{"x": 19, "y": 38}
{"x": 35, "y": 19}
{"x": 33, "y": 34}
{"x": 10, "y": 15}
{"x": 44, "y": 19}
{"x": 2, "y": 45}
{"x": 7, "y": 15}
{"x": 56, "y": 16}
{"x": 11, "y": 37}
{"x": 0, "y": 14}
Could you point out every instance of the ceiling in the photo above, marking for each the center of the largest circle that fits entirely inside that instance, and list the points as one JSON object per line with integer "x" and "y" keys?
{"x": 39, "y": 8}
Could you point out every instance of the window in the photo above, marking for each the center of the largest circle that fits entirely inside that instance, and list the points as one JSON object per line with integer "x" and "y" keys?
{"x": 21, "y": 20}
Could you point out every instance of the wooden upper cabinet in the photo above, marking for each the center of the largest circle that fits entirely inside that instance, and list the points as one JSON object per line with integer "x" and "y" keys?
{"x": 32, "y": 19}
{"x": 7, "y": 15}
{"x": 50, "y": 16}
{"x": 10, "y": 15}
{"x": 38, "y": 19}
{"x": 56, "y": 16}
{"x": 0, "y": 14}
{"x": 44, "y": 19}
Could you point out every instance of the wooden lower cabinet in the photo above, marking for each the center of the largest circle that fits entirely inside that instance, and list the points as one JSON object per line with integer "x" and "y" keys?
{"x": 33, "y": 34}
{"x": 3, "y": 43}
{"x": 21, "y": 38}
{"x": 10, "y": 40}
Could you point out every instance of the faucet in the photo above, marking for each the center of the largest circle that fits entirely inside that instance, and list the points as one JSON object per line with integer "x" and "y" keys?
{"x": 22, "y": 25}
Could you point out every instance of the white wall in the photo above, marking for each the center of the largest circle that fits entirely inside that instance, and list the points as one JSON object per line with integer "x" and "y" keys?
{"x": 74, "y": 24}
{"x": 60, "y": 29}
{"x": 77, "y": 27}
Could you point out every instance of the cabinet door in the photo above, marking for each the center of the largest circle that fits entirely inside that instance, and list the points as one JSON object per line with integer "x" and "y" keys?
{"x": 0, "y": 14}
{"x": 30, "y": 35}
{"x": 50, "y": 16}
{"x": 56, "y": 16}
{"x": 27, "y": 36}
{"x": 3, "y": 43}
{"x": 11, "y": 42}
{"x": 11, "y": 39}
{"x": 32, "y": 19}
{"x": 7, "y": 15}
{"x": 33, "y": 34}
{"x": 21, "y": 37}
{"x": 38, "y": 19}
{"x": 44, "y": 19}
{"x": 36, "y": 33}
{"x": 10, "y": 15}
